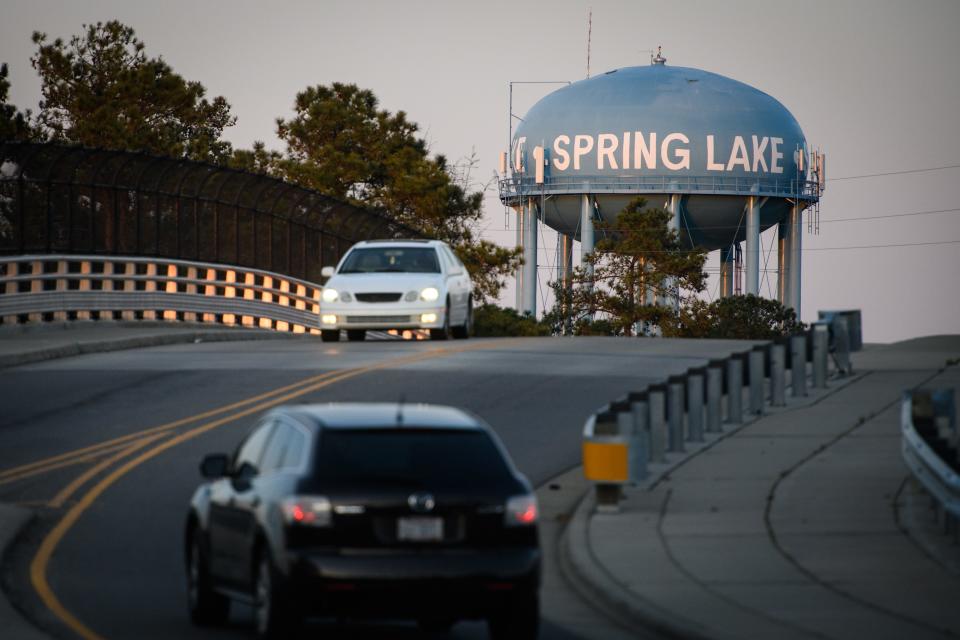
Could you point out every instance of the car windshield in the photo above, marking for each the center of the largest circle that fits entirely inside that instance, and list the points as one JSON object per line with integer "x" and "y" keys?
{"x": 391, "y": 259}
{"x": 410, "y": 457}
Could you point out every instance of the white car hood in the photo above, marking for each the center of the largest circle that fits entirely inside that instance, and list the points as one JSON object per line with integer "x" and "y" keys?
{"x": 384, "y": 282}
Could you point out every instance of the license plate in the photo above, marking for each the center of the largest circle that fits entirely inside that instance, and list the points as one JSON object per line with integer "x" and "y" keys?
{"x": 420, "y": 529}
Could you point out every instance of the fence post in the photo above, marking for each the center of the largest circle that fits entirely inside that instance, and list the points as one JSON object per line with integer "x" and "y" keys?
{"x": 734, "y": 390}
{"x": 821, "y": 339}
{"x": 714, "y": 397}
{"x": 641, "y": 423}
{"x": 778, "y": 375}
{"x": 695, "y": 405}
{"x": 658, "y": 425}
{"x": 757, "y": 364}
{"x": 675, "y": 415}
{"x": 798, "y": 365}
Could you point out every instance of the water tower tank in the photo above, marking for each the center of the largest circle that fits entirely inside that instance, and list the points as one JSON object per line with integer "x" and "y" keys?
{"x": 727, "y": 159}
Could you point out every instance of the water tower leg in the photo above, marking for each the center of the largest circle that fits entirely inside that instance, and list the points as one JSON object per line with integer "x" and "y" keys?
{"x": 752, "y": 266}
{"x": 530, "y": 259}
{"x": 673, "y": 298}
{"x": 566, "y": 273}
{"x": 519, "y": 273}
{"x": 586, "y": 231}
{"x": 783, "y": 264}
{"x": 795, "y": 244}
{"x": 726, "y": 272}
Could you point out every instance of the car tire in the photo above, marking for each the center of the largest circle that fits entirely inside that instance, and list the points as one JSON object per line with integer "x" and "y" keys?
{"x": 444, "y": 332}
{"x": 330, "y": 335}
{"x": 272, "y": 616}
{"x": 206, "y": 606}
{"x": 435, "y": 624}
{"x": 463, "y": 331}
{"x": 356, "y": 335}
{"x": 519, "y": 619}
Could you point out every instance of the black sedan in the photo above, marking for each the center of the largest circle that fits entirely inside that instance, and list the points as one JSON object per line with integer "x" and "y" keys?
{"x": 366, "y": 510}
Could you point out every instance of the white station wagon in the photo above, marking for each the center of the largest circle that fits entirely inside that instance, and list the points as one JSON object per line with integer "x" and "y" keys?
{"x": 397, "y": 284}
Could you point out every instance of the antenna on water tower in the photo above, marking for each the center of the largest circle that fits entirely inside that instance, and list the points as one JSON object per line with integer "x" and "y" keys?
{"x": 589, "y": 33}
{"x": 659, "y": 59}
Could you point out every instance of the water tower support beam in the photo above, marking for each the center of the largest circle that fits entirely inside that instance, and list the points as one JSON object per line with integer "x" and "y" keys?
{"x": 565, "y": 268}
{"x": 752, "y": 266}
{"x": 519, "y": 273}
{"x": 783, "y": 265}
{"x": 726, "y": 272}
{"x": 672, "y": 299}
{"x": 586, "y": 231}
{"x": 530, "y": 259}
{"x": 795, "y": 245}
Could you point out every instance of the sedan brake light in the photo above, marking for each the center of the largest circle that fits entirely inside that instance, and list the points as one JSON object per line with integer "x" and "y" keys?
{"x": 521, "y": 511}
{"x": 309, "y": 511}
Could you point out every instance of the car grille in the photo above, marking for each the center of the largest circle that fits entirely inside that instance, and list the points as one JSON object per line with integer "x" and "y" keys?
{"x": 378, "y": 319}
{"x": 378, "y": 297}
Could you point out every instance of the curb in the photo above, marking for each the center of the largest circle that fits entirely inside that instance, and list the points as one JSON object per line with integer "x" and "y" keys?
{"x": 12, "y": 521}
{"x": 134, "y": 342}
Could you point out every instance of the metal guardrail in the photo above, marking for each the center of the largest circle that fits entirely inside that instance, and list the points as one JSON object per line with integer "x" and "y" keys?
{"x": 929, "y": 439}
{"x": 520, "y": 187}
{"x": 38, "y": 288}
{"x": 648, "y": 426}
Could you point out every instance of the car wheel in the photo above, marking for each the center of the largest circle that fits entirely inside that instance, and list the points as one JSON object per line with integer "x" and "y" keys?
{"x": 518, "y": 620}
{"x": 443, "y": 333}
{"x": 206, "y": 606}
{"x": 330, "y": 335}
{"x": 356, "y": 335}
{"x": 463, "y": 331}
{"x": 272, "y": 618}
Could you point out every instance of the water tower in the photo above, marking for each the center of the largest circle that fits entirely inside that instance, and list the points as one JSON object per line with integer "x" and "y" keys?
{"x": 727, "y": 160}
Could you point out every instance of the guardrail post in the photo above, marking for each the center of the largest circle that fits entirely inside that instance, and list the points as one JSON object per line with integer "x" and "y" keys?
{"x": 714, "y": 397}
{"x": 84, "y": 285}
{"x": 11, "y": 288}
{"x": 36, "y": 286}
{"x": 129, "y": 285}
{"x": 734, "y": 390}
{"x": 636, "y": 452}
{"x": 798, "y": 365}
{"x": 62, "y": 287}
{"x": 757, "y": 364}
{"x": 641, "y": 423}
{"x": 675, "y": 415}
{"x": 695, "y": 406}
{"x": 106, "y": 285}
{"x": 821, "y": 339}
{"x": 778, "y": 375}
{"x": 658, "y": 426}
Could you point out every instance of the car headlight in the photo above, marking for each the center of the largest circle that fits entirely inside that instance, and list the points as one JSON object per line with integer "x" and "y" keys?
{"x": 429, "y": 294}
{"x": 329, "y": 295}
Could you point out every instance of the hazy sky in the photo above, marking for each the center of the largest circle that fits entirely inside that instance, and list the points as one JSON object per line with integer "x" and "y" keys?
{"x": 876, "y": 85}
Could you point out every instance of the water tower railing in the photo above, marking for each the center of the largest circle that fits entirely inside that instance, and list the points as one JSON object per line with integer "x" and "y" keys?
{"x": 518, "y": 187}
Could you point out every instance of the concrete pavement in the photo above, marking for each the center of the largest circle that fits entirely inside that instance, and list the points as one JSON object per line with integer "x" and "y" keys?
{"x": 791, "y": 527}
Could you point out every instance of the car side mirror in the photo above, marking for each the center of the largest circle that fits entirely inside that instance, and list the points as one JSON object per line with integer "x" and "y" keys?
{"x": 327, "y": 272}
{"x": 214, "y": 465}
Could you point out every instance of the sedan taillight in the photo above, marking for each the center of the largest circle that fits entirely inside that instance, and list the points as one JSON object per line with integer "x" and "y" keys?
{"x": 521, "y": 511}
{"x": 308, "y": 511}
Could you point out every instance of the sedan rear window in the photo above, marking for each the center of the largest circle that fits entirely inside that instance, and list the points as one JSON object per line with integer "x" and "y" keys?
{"x": 410, "y": 457}
{"x": 392, "y": 259}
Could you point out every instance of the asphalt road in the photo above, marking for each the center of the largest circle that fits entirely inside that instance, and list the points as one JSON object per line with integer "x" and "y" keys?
{"x": 129, "y": 428}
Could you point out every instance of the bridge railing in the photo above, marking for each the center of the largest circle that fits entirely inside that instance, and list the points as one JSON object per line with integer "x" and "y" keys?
{"x": 42, "y": 288}
{"x": 931, "y": 448}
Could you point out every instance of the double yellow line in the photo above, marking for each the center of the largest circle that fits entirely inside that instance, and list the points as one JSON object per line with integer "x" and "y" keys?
{"x": 130, "y": 444}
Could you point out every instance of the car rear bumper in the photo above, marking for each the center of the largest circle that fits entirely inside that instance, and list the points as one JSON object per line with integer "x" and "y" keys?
{"x": 461, "y": 583}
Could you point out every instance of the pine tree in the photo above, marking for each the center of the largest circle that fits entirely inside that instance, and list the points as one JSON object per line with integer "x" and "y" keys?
{"x": 101, "y": 90}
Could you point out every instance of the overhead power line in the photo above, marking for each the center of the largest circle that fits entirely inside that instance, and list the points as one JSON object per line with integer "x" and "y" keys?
{"x": 895, "y": 173}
